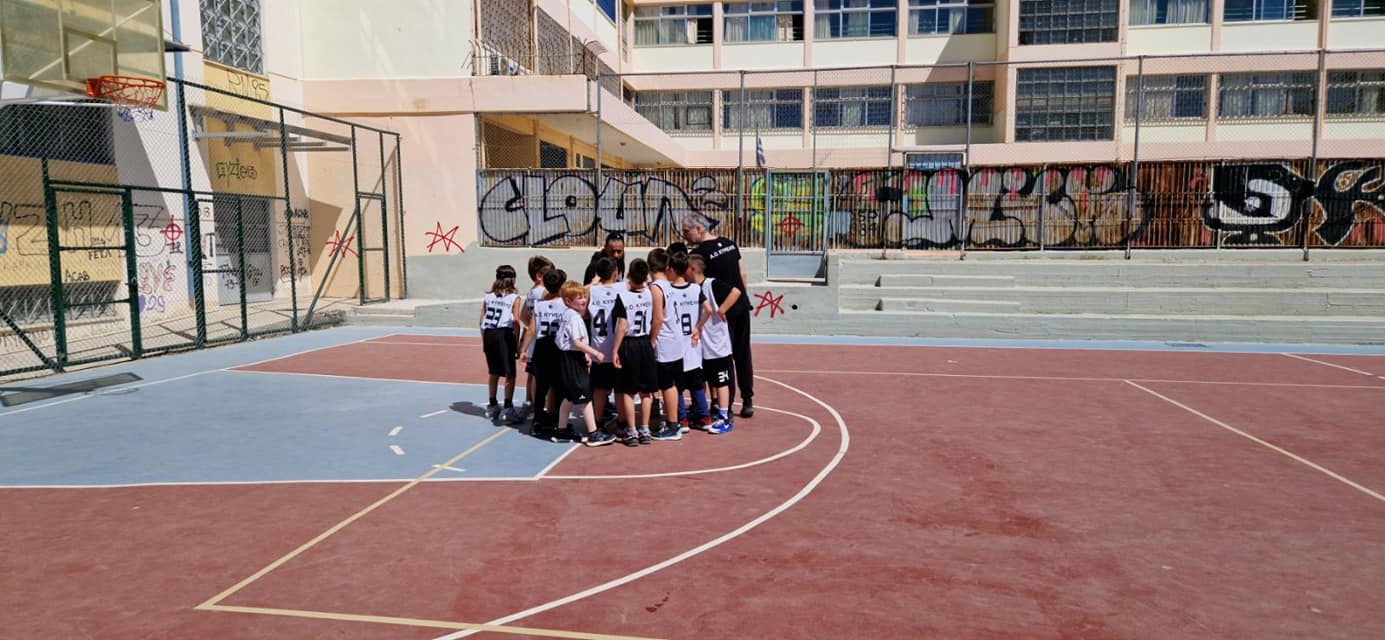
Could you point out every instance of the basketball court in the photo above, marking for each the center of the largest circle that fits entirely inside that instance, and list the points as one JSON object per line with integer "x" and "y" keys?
{"x": 344, "y": 483}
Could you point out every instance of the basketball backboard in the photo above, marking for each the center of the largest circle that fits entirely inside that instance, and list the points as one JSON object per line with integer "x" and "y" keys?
{"x": 49, "y": 48}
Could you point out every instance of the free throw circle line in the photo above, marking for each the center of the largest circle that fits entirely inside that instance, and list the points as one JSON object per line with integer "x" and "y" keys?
{"x": 817, "y": 429}
{"x": 710, "y": 544}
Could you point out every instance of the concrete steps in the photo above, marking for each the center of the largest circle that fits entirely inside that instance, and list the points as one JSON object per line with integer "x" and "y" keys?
{"x": 1129, "y": 300}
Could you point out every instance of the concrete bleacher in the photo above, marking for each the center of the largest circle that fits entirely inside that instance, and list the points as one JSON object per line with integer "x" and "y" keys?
{"x": 1261, "y": 295}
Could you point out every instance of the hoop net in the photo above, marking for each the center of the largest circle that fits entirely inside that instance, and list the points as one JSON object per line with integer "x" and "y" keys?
{"x": 132, "y": 91}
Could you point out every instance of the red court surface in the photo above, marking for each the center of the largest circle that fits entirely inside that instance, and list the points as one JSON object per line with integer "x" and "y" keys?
{"x": 920, "y": 492}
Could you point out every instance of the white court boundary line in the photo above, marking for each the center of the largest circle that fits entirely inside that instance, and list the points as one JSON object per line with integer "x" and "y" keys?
{"x": 1327, "y": 364}
{"x": 183, "y": 377}
{"x": 998, "y": 376}
{"x": 710, "y": 544}
{"x": 817, "y": 429}
{"x": 1277, "y": 449}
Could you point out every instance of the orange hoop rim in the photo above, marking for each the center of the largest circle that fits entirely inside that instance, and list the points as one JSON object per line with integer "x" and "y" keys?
{"x": 134, "y": 91}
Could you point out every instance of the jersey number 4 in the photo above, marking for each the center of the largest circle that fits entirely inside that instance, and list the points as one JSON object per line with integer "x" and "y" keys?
{"x": 599, "y": 323}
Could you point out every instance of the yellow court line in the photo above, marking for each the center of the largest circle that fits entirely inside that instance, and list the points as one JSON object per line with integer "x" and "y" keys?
{"x": 925, "y": 374}
{"x": 1337, "y": 476}
{"x": 421, "y": 622}
{"x": 344, "y": 523}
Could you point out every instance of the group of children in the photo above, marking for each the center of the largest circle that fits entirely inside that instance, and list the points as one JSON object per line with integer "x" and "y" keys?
{"x": 650, "y": 338}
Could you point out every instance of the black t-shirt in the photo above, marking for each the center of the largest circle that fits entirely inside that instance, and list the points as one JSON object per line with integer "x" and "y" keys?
{"x": 591, "y": 267}
{"x": 724, "y": 265}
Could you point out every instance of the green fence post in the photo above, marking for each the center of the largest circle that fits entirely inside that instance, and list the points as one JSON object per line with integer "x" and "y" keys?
{"x": 55, "y": 270}
{"x": 240, "y": 272}
{"x": 360, "y": 218}
{"x": 127, "y": 217}
{"x": 384, "y": 216}
{"x": 193, "y": 220}
{"x": 288, "y": 220}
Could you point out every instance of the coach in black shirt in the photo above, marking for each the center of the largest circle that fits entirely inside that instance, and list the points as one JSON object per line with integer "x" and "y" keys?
{"x": 613, "y": 249}
{"x": 724, "y": 263}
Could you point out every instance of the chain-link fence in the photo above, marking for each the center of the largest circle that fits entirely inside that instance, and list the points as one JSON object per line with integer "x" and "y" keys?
{"x": 126, "y": 232}
{"x": 1198, "y": 151}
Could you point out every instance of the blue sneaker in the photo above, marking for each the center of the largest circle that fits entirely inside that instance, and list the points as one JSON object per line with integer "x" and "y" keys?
{"x": 511, "y": 416}
{"x": 720, "y": 426}
{"x": 492, "y": 412}
{"x": 668, "y": 432}
{"x": 598, "y": 438}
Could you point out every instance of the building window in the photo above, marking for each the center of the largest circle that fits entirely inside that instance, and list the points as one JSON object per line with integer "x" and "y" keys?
{"x": 1168, "y": 12}
{"x": 1268, "y": 10}
{"x": 676, "y": 111}
{"x": 944, "y": 104}
{"x": 1068, "y": 21}
{"x": 1356, "y": 93}
{"x": 763, "y": 21}
{"x": 927, "y": 17}
{"x": 852, "y": 107}
{"x": 552, "y": 156}
{"x": 1266, "y": 95}
{"x": 608, "y": 7}
{"x": 1357, "y": 8}
{"x": 855, "y": 18}
{"x": 764, "y": 109}
{"x": 676, "y": 24}
{"x": 231, "y": 34}
{"x": 1072, "y": 103}
{"x": 1166, "y": 98}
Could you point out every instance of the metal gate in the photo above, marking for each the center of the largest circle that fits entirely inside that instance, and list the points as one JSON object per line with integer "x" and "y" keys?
{"x": 795, "y": 225}
{"x": 91, "y": 242}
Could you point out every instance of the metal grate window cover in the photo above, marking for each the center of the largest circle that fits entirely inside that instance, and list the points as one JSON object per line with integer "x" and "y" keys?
{"x": 231, "y": 33}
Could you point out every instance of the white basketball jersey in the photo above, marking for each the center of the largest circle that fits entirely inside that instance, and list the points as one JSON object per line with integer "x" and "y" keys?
{"x": 548, "y": 315}
{"x": 500, "y": 311}
{"x": 716, "y": 335}
{"x": 600, "y": 307}
{"x": 573, "y": 328}
{"x": 680, "y": 317}
{"x": 637, "y": 307}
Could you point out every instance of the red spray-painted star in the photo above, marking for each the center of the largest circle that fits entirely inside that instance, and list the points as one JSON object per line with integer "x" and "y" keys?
{"x": 769, "y": 301}
{"x": 445, "y": 237}
{"x": 337, "y": 244}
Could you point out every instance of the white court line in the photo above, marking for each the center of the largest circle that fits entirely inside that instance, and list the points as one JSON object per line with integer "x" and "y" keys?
{"x": 469, "y": 345}
{"x": 182, "y": 377}
{"x": 1001, "y": 376}
{"x": 395, "y": 431}
{"x": 447, "y": 468}
{"x": 1329, "y": 364}
{"x": 340, "y": 377}
{"x": 399, "y": 451}
{"x": 255, "y": 482}
{"x": 710, "y": 544}
{"x": 817, "y": 428}
{"x": 570, "y": 450}
{"x": 1262, "y": 443}
{"x": 435, "y": 413}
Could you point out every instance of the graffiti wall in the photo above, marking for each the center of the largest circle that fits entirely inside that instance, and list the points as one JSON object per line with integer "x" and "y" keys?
{"x": 1169, "y": 204}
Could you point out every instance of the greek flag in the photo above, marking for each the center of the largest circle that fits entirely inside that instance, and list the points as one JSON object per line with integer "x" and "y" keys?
{"x": 759, "y": 152}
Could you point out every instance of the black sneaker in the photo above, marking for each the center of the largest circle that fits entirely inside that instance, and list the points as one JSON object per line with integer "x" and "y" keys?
{"x": 747, "y": 408}
{"x": 630, "y": 439}
{"x": 667, "y": 432}
{"x": 645, "y": 436}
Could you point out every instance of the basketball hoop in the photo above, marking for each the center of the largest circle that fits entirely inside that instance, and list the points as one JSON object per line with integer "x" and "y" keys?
{"x": 129, "y": 91}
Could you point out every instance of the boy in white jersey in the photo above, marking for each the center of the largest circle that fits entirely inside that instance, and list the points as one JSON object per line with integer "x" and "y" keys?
{"x": 538, "y": 267}
{"x": 675, "y": 301}
{"x": 499, "y": 337}
{"x": 545, "y": 318}
{"x": 634, "y": 353}
{"x": 715, "y": 340}
{"x": 691, "y": 314}
{"x": 603, "y": 301}
{"x": 575, "y": 355}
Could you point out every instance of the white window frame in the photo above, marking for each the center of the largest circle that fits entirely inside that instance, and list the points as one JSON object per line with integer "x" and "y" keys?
{"x": 954, "y": 12}
{"x": 1267, "y": 11}
{"x": 1162, "y": 97}
{"x": 673, "y": 111}
{"x": 1363, "y": 86}
{"x": 765, "y": 108}
{"x": 848, "y": 8}
{"x": 1146, "y": 12}
{"x": 780, "y": 12}
{"x": 1275, "y": 95}
{"x": 929, "y": 99}
{"x": 682, "y": 19}
{"x": 840, "y": 103}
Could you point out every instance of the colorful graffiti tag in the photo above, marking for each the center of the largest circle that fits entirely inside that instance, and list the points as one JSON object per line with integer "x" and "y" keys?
{"x": 1088, "y": 206}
